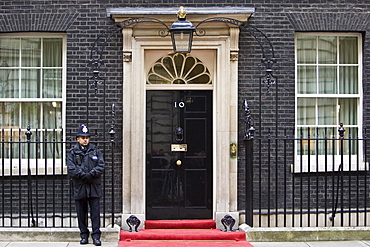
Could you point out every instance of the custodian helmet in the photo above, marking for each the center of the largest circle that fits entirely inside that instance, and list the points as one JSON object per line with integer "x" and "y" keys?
{"x": 83, "y": 131}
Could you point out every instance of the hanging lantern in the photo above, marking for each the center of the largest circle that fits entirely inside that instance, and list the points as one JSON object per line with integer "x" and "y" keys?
{"x": 182, "y": 33}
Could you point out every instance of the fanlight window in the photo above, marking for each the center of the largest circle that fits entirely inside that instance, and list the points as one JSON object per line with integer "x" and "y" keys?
{"x": 179, "y": 69}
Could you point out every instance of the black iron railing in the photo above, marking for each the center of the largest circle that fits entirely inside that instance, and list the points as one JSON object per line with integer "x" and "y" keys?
{"x": 305, "y": 177}
{"x": 308, "y": 177}
{"x": 35, "y": 188}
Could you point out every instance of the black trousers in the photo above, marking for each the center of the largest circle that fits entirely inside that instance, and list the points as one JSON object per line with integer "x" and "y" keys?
{"x": 82, "y": 207}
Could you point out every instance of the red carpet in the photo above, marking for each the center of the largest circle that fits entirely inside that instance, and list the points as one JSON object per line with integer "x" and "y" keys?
{"x": 182, "y": 233}
{"x": 180, "y": 224}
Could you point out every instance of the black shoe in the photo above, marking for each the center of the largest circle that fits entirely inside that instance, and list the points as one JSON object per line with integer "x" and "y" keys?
{"x": 84, "y": 241}
{"x": 96, "y": 242}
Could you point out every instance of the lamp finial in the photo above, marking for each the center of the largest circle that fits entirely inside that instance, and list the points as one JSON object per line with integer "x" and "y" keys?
{"x": 181, "y": 14}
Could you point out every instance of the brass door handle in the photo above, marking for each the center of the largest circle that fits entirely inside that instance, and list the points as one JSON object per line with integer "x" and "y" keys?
{"x": 178, "y": 162}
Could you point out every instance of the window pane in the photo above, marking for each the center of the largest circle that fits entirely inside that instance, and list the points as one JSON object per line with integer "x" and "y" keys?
{"x": 203, "y": 79}
{"x": 327, "y": 80}
{"x": 9, "y": 52}
{"x": 30, "y": 86}
{"x": 52, "y": 52}
{"x": 31, "y": 52}
{"x": 350, "y": 146}
{"x": 348, "y": 80}
{"x": 348, "y": 50}
{"x": 179, "y": 62}
{"x": 9, "y": 117}
{"x": 327, "y": 111}
{"x": 312, "y": 141}
{"x": 327, "y": 146}
{"x": 306, "y": 145}
{"x": 11, "y": 150}
{"x": 306, "y": 49}
{"x": 155, "y": 79}
{"x": 30, "y": 114}
{"x": 328, "y": 50}
{"x": 53, "y": 150}
{"x": 306, "y": 111}
{"x": 158, "y": 68}
{"x": 9, "y": 83}
{"x": 52, "y": 115}
{"x": 306, "y": 79}
{"x": 52, "y": 83}
{"x": 348, "y": 111}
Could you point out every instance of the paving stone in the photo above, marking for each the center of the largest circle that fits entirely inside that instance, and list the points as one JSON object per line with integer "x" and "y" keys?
{"x": 337, "y": 244}
{"x": 279, "y": 244}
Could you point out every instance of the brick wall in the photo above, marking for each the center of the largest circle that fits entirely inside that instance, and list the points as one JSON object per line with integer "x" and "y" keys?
{"x": 83, "y": 21}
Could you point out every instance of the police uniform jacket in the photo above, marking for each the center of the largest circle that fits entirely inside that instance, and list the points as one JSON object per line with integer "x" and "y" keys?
{"x": 85, "y": 167}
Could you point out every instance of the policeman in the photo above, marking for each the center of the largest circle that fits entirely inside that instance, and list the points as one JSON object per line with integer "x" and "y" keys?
{"x": 85, "y": 166}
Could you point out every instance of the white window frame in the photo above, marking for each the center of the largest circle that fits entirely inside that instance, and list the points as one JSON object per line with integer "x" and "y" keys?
{"x": 41, "y": 166}
{"x": 317, "y": 162}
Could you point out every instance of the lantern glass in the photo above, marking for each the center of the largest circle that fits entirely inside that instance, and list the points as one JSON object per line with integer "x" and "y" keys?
{"x": 182, "y": 40}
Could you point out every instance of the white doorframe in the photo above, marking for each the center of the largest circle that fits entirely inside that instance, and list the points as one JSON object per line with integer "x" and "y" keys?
{"x": 225, "y": 120}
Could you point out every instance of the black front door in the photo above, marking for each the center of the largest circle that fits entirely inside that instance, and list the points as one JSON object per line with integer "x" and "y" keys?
{"x": 179, "y": 155}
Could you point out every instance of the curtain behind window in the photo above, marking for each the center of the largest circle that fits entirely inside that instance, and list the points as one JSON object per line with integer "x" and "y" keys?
{"x": 319, "y": 73}
{"x": 31, "y": 80}
{"x": 327, "y": 72}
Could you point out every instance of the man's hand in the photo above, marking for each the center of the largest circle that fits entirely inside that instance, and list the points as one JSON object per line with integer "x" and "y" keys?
{"x": 86, "y": 177}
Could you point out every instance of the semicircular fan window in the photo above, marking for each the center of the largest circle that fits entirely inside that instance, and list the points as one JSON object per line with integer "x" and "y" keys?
{"x": 178, "y": 69}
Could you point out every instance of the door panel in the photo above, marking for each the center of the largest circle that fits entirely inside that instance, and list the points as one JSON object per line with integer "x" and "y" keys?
{"x": 179, "y": 183}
